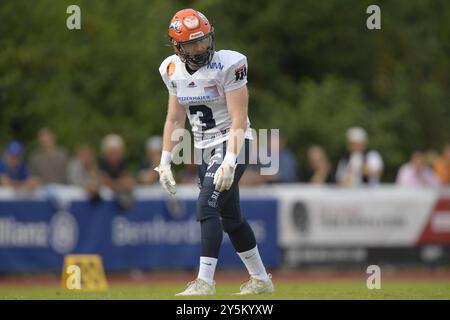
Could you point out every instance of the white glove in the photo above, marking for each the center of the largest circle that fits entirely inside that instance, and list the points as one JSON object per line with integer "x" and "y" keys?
{"x": 224, "y": 176}
{"x": 166, "y": 178}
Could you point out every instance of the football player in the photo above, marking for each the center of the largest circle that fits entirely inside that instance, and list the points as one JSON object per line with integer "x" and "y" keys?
{"x": 210, "y": 88}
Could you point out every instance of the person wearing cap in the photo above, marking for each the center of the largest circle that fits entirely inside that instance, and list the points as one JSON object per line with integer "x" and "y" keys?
{"x": 359, "y": 165}
{"x": 153, "y": 149}
{"x": 13, "y": 169}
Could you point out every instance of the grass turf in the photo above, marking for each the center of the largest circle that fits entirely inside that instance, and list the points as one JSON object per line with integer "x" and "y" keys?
{"x": 318, "y": 290}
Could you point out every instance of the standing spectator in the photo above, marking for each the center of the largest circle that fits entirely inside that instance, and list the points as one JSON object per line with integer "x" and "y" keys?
{"x": 442, "y": 166}
{"x": 153, "y": 149}
{"x": 82, "y": 171}
{"x": 13, "y": 169}
{"x": 416, "y": 173}
{"x": 49, "y": 163}
{"x": 359, "y": 165}
{"x": 113, "y": 170}
{"x": 319, "y": 171}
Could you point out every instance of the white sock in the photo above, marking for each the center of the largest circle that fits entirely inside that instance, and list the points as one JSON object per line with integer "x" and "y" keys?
{"x": 254, "y": 264}
{"x": 207, "y": 269}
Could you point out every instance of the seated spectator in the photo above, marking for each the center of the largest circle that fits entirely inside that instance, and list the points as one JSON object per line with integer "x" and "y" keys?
{"x": 13, "y": 169}
{"x": 82, "y": 171}
{"x": 416, "y": 173}
{"x": 319, "y": 168}
{"x": 359, "y": 165}
{"x": 113, "y": 170}
{"x": 442, "y": 166}
{"x": 146, "y": 174}
{"x": 49, "y": 163}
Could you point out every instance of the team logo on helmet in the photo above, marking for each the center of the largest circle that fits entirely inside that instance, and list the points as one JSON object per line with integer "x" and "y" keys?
{"x": 176, "y": 26}
{"x": 191, "y": 22}
{"x": 203, "y": 17}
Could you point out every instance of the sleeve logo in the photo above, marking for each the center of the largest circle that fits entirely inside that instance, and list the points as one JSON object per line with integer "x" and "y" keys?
{"x": 240, "y": 73}
{"x": 170, "y": 69}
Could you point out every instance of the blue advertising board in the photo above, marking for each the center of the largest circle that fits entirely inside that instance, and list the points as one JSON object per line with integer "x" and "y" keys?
{"x": 153, "y": 234}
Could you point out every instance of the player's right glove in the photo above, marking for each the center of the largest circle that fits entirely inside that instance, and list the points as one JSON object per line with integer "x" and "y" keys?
{"x": 166, "y": 178}
{"x": 224, "y": 176}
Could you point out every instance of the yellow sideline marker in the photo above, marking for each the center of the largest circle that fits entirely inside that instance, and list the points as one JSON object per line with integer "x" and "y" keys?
{"x": 83, "y": 272}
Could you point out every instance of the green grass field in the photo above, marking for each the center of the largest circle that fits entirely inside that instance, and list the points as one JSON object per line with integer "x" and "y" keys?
{"x": 319, "y": 290}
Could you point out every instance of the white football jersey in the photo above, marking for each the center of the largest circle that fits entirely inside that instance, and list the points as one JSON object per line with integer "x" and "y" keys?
{"x": 203, "y": 93}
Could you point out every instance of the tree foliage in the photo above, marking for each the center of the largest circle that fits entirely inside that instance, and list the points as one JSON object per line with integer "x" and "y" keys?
{"x": 314, "y": 70}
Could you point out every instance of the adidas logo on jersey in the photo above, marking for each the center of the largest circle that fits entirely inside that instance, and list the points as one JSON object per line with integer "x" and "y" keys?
{"x": 192, "y": 85}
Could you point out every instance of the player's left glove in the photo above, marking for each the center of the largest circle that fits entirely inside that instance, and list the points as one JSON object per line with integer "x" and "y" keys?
{"x": 224, "y": 176}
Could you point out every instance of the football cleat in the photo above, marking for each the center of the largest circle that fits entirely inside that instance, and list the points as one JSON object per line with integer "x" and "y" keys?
{"x": 198, "y": 287}
{"x": 256, "y": 286}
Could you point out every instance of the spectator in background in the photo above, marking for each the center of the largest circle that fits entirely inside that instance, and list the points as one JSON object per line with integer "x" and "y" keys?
{"x": 442, "y": 166}
{"x": 153, "y": 148}
{"x": 82, "y": 171}
{"x": 319, "y": 168}
{"x": 49, "y": 163}
{"x": 252, "y": 176}
{"x": 113, "y": 170}
{"x": 287, "y": 170}
{"x": 13, "y": 169}
{"x": 189, "y": 173}
{"x": 359, "y": 165}
{"x": 416, "y": 173}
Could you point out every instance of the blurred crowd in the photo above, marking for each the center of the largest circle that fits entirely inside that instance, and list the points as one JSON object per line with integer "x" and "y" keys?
{"x": 359, "y": 165}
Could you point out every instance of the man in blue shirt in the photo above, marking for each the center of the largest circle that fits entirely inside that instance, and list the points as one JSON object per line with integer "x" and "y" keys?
{"x": 13, "y": 169}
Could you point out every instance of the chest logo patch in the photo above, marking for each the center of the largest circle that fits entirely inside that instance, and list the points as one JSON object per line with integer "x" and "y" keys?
{"x": 212, "y": 91}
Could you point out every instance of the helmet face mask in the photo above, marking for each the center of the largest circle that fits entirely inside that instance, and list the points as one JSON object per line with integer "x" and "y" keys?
{"x": 197, "y": 52}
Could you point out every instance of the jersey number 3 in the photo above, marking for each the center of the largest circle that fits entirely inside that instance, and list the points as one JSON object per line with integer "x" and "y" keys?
{"x": 206, "y": 116}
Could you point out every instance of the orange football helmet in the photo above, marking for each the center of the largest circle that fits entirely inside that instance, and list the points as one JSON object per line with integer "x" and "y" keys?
{"x": 187, "y": 27}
